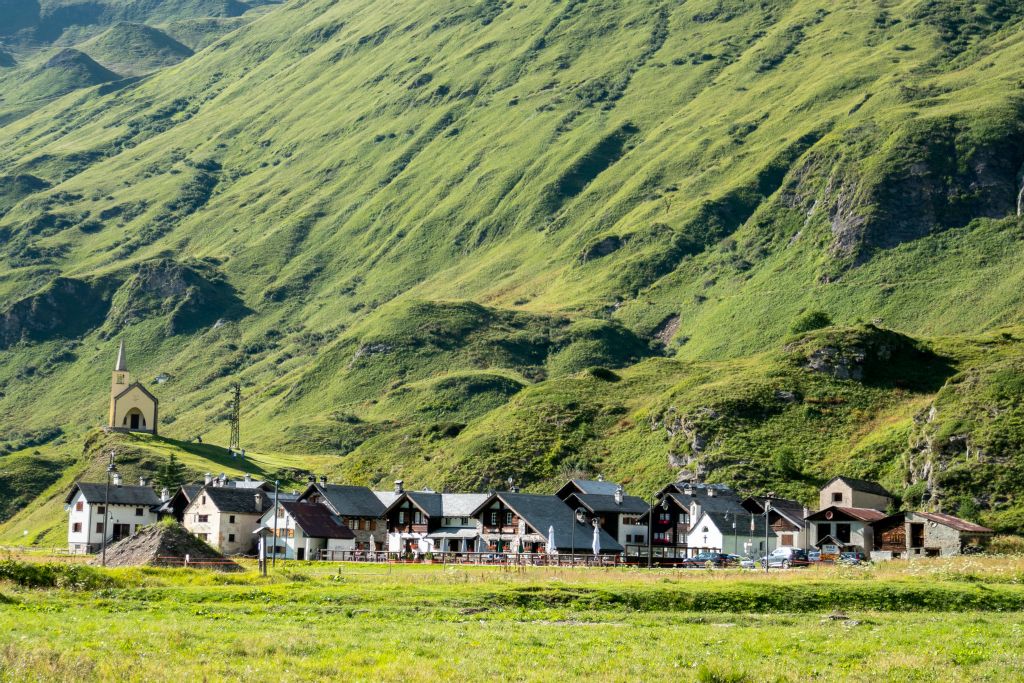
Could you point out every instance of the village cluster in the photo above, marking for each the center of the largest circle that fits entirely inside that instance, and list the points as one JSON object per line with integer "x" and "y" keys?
{"x": 591, "y": 520}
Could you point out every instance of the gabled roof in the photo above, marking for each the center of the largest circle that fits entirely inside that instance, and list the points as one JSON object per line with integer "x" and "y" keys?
{"x": 119, "y": 495}
{"x": 541, "y": 513}
{"x": 955, "y": 523}
{"x": 461, "y": 504}
{"x": 347, "y": 501}
{"x": 862, "y": 485}
{"x": 587, "y": 486}
{"x": 137, "y": 385}
{"x": 596, "y": 503}
{"x": 945, "y": 520}
{"x": 316, "y": 521}
{"x": 858, "y": 514}
{"x": 386, "y": 497}
{"x": 790, "y": 510}
{"x": 241, "y": 501}
{"x": 428, "y": 502}
{"x": 723, "y": 523}
{"x": 831, "y": 540}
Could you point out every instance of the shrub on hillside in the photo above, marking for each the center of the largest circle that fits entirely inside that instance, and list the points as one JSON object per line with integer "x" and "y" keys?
{"x": 810, "y": 321}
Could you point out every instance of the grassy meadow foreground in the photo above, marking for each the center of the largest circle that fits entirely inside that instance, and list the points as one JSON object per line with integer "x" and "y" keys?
{"x": 956, "y": 619}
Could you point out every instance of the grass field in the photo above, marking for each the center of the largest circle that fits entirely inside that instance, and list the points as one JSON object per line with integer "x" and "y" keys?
{"x": 364, "y": 622}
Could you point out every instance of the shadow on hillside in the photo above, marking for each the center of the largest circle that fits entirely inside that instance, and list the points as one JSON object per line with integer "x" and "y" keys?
{"x": 217, "y": 455}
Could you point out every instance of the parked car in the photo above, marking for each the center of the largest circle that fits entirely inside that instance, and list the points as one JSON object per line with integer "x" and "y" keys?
{"x": 708, "y": 559}
{"x": 852, "y": 558}
{"x": 814, "y": 556}
{"x": 786, "y": 557}
{"x": 750, "y": 563}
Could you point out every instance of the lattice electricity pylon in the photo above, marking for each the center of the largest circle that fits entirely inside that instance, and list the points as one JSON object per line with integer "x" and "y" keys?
{"x": 236, "y": 409}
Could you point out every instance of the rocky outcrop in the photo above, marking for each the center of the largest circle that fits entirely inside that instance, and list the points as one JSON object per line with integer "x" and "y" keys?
{"x": 65, "y": 308}
{"x": 839, "y": 363}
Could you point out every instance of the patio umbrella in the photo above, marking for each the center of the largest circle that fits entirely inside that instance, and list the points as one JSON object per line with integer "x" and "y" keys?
{"x": 373, "y": 545}
{"x": 551, "y": 540}
{"x": 596, "y": 546}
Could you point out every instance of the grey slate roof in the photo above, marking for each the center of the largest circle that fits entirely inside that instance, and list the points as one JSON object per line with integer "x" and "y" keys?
{"x": 242, "y": 501}
{"x": 386, "y": 497}
{"x": 461, "y": 504}
{"x": 791, "y": 510}
{"x": 119, "y": 495}
{"x": 348, "y": 501}
{"x": 863, "y": 486}
{"x": 591, "y": 486}
{"x": 601, "y": 503}
{"x": 724, "y": 523}
{"x": 543, "y": 512}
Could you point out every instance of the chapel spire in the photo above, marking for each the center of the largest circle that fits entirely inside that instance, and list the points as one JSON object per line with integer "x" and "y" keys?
{"x": 122, "y": 362}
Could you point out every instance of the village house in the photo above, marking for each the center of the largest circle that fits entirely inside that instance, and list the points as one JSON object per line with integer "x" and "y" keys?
{"x": 836, "y": 530}
{"x": 618, "y": 514}
{"x": 426, "y": 521}
{"x": 854, "y": 493}
{"x": 522, "y": 522}
{"x": 132, "y": 407}
{"x": 90, "y": 518}
{"x": 733, "y": 531}
{"x": 925, "y": 534}
{"x": 787, "y": 519}
{"x": 299, "y": 531}
{"x": 226, "y": 517}
{"x": 358, "y": 508}
{"x": 174, "y": 506}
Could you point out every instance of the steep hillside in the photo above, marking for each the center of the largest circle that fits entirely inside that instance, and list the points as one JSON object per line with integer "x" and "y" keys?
{"x": 134, "y": 49}
{"x": 465, "y": 239}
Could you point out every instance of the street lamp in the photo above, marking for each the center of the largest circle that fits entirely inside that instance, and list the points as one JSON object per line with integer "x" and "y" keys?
{"x": 767, "y": 509}
{"x": 650, "y": 525}
{"x": 111, "y": 471}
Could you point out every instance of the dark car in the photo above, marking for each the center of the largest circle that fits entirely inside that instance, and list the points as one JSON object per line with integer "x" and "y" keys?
{"x": 707, "y": 560}
{"x": 786, "y": 557}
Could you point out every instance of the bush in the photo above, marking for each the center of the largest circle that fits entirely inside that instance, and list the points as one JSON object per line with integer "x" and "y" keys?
{"x": 812, "y": 320}
{"x": 53, "y": 575}
{"x": 1007, "y": 545}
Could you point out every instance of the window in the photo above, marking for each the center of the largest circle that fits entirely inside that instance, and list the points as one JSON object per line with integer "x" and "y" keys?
{"x": 357, "y": 524}
{"x": 202, "y": 500}
{"x": 508, "y": 519}
{"x": 638, "y": 538}
{"x": 843, "y": 533}
{"x": 373, "y": 525}
{"x": 417, "y": 517}
{"x": 231, "y": 538}
{"x": 463, "y": 521}
{"x": 79, "y": 506}
{"x": 291, "y": 533}
{"x": 231, "y": 519}
{"x": 823, "y": 531}
{"x": 202, "y": 518}
{"x": 664, "y": 518}
{"x": 494, "y": 519}
{"x": 99, "y": 527}
{"x": 101, "y": 509}
{"x": 837, "y": 497}
{"x": 77, "y": 527}
{"x": 280, "y": 512}
{"x": 401, "y": 516}
{"x": 138, "y": 512}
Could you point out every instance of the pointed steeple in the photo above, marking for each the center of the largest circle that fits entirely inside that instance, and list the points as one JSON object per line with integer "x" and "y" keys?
{"x": 122, "y": 362}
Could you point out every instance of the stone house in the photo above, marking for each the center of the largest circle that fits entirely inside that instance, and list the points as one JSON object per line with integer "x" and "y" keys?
{"x": 302, "y": 530}
{"x": 226, "y": 517}
{"x": 854, "y": 493}
{"x": 90, "y": 519}
{"x": 925, "y": 534}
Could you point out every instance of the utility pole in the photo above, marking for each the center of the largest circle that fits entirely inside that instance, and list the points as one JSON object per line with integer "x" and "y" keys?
{"x": 767, "y": 509}
{"x": 273, "y": 560}
{"x": 236, "y": 409}
{"x": 111, "y": 471}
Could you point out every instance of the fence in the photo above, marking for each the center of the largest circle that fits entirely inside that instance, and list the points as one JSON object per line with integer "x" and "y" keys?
{"x": 486, "y": 558}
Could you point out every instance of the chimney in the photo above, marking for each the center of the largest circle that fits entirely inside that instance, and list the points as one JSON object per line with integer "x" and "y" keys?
{"x": 323, "y": 480}
{"x": 513, "y": 489}
{"x": 142, "y": 481}
{"x": 311, "y": 479}
{"x": 223, "y": 479}
{"x": 618, "y": 495}
{"x": 398, "y": 486}
{"x": 248, "y": 477}
{"x": 259, "y": 501}
{"x": 116, "y": 478}
{"x": 600, "y": 477}
{"x": 711, "y": 492}
{"x": 209, "y": 478}
{"x": 164, "y": 495}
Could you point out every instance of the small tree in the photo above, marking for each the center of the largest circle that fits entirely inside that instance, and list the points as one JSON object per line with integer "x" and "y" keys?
{"x": 172, "y": 474}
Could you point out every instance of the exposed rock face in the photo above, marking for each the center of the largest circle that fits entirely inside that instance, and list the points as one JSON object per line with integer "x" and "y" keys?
{"x": 839, "y": 363}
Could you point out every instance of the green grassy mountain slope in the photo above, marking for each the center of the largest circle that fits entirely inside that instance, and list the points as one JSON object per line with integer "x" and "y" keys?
{"x": 459, "y": 240}
{"x": 134, "y": 49}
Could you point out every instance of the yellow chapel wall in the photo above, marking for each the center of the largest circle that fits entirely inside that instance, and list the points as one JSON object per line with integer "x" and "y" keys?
{"x": 136, "y": 398}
